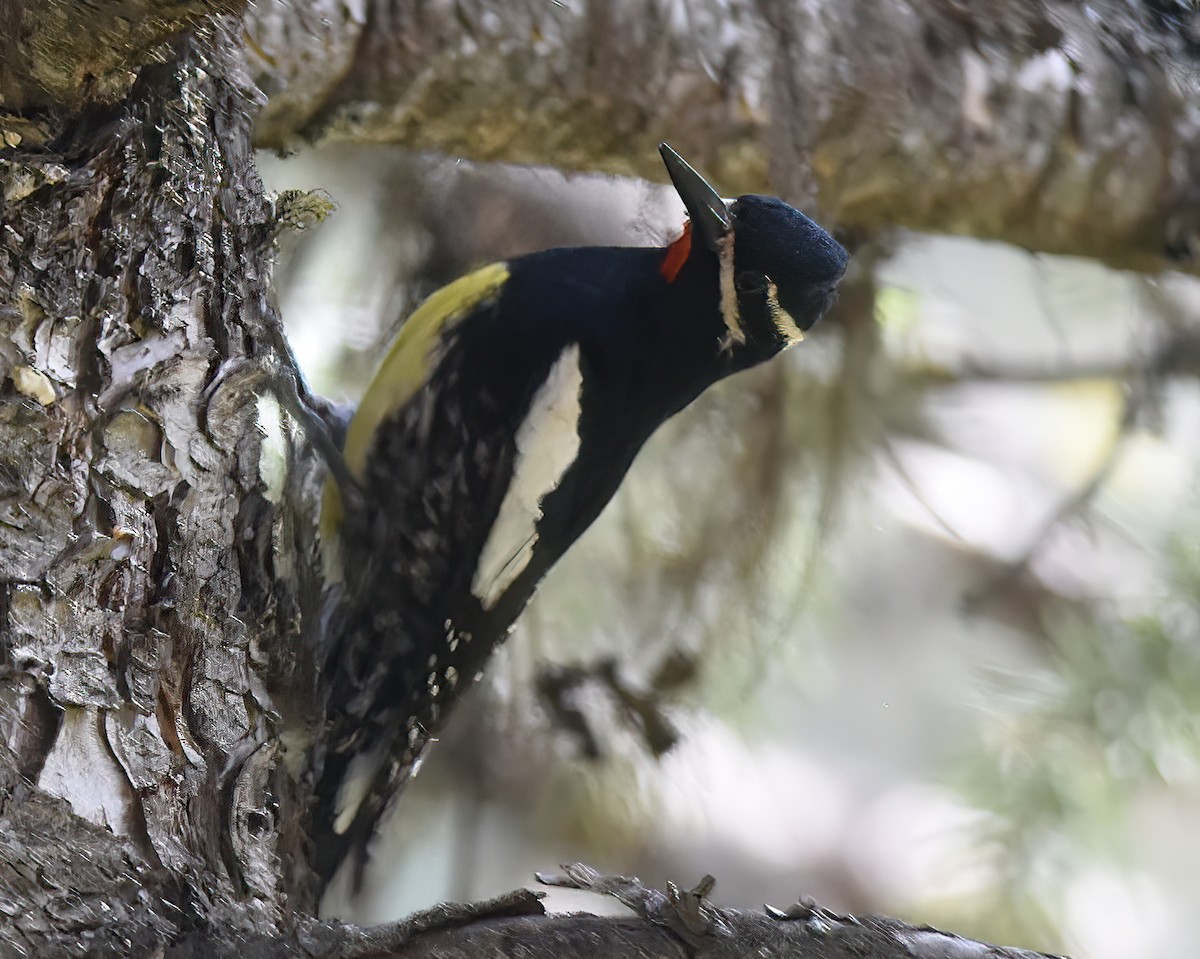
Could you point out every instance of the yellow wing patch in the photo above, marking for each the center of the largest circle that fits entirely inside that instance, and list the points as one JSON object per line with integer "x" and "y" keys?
{"x": 405, "y": 369}
{"x": 407, "y": 365}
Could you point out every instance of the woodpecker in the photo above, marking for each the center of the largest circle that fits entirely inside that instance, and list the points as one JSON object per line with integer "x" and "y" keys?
{"x": 501, "y": 421}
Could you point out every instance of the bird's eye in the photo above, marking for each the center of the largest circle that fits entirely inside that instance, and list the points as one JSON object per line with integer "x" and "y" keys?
{"x": 749, "y": 281}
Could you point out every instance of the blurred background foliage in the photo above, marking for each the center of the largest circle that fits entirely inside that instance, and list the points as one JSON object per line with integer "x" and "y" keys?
{"x": 907, "y": 620}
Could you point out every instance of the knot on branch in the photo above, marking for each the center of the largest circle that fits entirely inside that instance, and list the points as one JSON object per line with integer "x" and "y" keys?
{"x": 688, "y": 913}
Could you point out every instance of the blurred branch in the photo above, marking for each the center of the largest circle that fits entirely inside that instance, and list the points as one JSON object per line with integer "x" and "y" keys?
{"x": 1172, "y": 350}
{"x": 1061, "y": 126}
{"x": 1139, "y": 393}
{"x": 887, "y": 447}
{"x": 1074, "y": 503}
{"x": 1178, "y": 354}
{"x": 643, "y": 711}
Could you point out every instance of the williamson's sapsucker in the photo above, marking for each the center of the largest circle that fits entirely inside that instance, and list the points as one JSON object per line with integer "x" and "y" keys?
{"x": 501, "y": 421}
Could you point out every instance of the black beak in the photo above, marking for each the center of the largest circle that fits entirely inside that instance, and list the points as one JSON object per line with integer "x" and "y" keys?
{"x": 710, "y": 216}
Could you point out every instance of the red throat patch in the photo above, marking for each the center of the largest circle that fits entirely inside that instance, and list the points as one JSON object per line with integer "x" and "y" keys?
{"x": 677, "y": 254}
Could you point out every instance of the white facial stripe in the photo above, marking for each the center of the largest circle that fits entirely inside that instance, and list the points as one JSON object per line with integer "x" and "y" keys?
{"x": 729, "y": 302}
{"x": 547, "y": 444}
{"x": 784, "y": 321}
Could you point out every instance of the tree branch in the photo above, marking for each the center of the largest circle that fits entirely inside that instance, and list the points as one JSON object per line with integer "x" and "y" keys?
{"x": 1061, "y": 126}
{"x": 667, "y": 924}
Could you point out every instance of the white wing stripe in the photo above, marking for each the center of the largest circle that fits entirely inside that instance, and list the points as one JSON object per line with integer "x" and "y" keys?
{"x": 547, "y": 444}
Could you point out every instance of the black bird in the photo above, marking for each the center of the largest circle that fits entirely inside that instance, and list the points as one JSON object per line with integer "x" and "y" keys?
{"x": 501, "y": 421}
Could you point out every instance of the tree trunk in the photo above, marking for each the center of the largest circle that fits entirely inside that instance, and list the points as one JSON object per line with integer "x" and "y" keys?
{"x": 154, "y": 596}
{"x": 141, "y": 768}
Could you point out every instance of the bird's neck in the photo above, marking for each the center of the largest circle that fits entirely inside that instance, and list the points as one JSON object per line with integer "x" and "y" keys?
{"x": 693, "y": 348}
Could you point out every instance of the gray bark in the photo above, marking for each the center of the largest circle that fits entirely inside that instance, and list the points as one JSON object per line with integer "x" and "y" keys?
{"x": 1061, "y": 126}
{"x": 153, "y": 597}
{"x": 139, "y": 756}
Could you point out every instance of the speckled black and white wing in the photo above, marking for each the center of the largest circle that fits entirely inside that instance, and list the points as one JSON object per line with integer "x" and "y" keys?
{"x": 500, "y": 423}
{"x": 455, "y": 478}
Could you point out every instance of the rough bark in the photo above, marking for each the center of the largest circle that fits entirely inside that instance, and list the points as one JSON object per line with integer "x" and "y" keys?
{"x": 1062, "y": 126}
{"x": 59, "y": 58}
{"x": 152, "y": 595}
{"x": 137, "y": 799}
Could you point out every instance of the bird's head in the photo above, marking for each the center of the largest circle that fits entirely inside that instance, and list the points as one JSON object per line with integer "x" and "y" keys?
{"x": 779, "y": 270}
